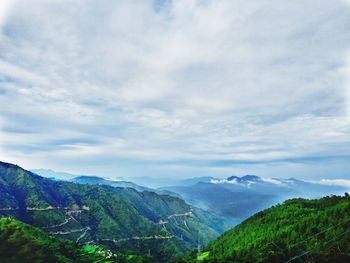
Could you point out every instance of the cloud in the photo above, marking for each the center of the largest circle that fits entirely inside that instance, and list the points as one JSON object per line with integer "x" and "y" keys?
{"x": 335, "y": 182}
{"x": 5, "y": 8}
{"x": 224, "y": 181}
{"x": 274, "y": 181}
{"x": 194, "y": 84}
{"x": 346, "y": 72}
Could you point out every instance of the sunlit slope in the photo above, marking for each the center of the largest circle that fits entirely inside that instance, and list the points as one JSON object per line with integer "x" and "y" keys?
{"x": 297, "y": 230}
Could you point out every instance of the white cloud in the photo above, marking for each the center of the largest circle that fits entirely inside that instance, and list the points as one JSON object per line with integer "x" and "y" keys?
{"x": 223, "y": 181}
{"x": 335, "y": 182}
{"x": 196, "y": 81}
{"x": 346, "y": 72}
{"x": 5, "y": 8}
{"x": 274, "y": 181}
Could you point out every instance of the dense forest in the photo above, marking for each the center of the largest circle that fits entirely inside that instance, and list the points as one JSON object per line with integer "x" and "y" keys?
{"x": 298, "y": 230}
{"x": 20, "y": 242}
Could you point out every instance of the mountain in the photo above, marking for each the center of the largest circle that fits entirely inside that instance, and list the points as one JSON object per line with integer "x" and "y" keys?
{"x": 223, "y": 201}
{"x": 246, "y": 178}
{"x": 153, "y": 182}
{"x": 312, "y": 189}
{"x": 282, "y": 188}
{"x": 240, "y": 197}
{"x": 53, "y": 174}
{"x": 195, "y": 180}
{"x": 298, "y": 230}
{"x": 21, "y": 242}
{"x": 92, "y": 179}
{"x": 122, "y": 218}
{"x": 101, "y": 181}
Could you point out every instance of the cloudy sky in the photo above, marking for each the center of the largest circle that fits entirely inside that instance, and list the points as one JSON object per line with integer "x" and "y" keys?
{"x": 176, "y": 88}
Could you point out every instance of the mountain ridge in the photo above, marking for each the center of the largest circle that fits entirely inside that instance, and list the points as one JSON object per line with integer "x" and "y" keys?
{"x": 111, "y": 215}
{"x": 240, "y": 197}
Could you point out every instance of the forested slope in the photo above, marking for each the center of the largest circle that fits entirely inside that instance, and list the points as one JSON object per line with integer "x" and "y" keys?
{"x": 297, "y": 230}
{"x": 122, "y": 218}
{"x": 21, "y": 242}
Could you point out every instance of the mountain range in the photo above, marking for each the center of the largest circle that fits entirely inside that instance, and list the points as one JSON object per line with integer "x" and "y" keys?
{"x": 235, "y": 198}
{"x": 93, "y": 219}
{"x": 143, "y": 223}
{"x": 240, "y": 197}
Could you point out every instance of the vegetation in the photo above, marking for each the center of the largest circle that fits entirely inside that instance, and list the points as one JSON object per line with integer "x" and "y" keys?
{"x": 121, "y": 218}
{"x": 297, "y": 230}
{"x": 124, "y": 225}
{"x": 20, "y": 242}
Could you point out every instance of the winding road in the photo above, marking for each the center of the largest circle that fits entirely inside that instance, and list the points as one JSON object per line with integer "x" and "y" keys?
{"x": 72, "y": 213}
{"x": 137, "y": 238}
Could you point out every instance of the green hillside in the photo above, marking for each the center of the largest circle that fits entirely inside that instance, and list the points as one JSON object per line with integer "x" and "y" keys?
{"x": 20, "y": 242}
{"x": 298, "y": 230}
{"x": 143, "y": 223}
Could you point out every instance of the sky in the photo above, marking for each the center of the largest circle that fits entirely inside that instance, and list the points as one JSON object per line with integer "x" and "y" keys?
{"x": 176, "y": 88}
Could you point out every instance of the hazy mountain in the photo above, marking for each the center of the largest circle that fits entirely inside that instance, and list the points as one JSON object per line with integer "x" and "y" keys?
{"x": 284, "y": 188}
{"x": 102, "y": 181}
{"x": 122, "y": 218}
{"x": 195, "y": 180}
{"x": 220, "y": 200}
{"x": 159, "y": 182}
{"x": 137, "y": 183}
{"x": 54, "y": 174}
{"x": 243, "y": 179}
{"x": 298, "y": 230}
{"x": 239, "y": 197}
{"x": 121, "y": 184}
{"x": 153, "y": 182}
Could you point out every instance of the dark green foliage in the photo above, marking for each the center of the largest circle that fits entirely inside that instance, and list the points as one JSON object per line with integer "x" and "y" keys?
{"x": 156, "y": 207}
{"x": 297, "y": 230}
{"x": 23, "y": 243}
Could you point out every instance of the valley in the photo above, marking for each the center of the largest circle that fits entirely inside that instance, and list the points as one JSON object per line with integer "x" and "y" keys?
{"x": 163, "y": 227}
{"x": 122, "y": 219}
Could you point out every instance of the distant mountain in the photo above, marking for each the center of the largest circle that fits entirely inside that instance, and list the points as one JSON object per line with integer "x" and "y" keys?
{"x": 48, "y": 173}
{"x": 146, "y": 183}
{"x": 298, "y": 230}
{"x": 153, "y": 182}
{"x": 240, "y": 197}
{"x": 312, "y": 189}
{"x": 284, "y": 188}
{"x": 246, "y": 178}
{"x": 122, "y": 218}
{"x": 223, "y": 201}
{"x": 195, "y": 180}
{"x": 92, "y": 179}
{"x": 121, "y": 184}
{"x": 102, "y": 181}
